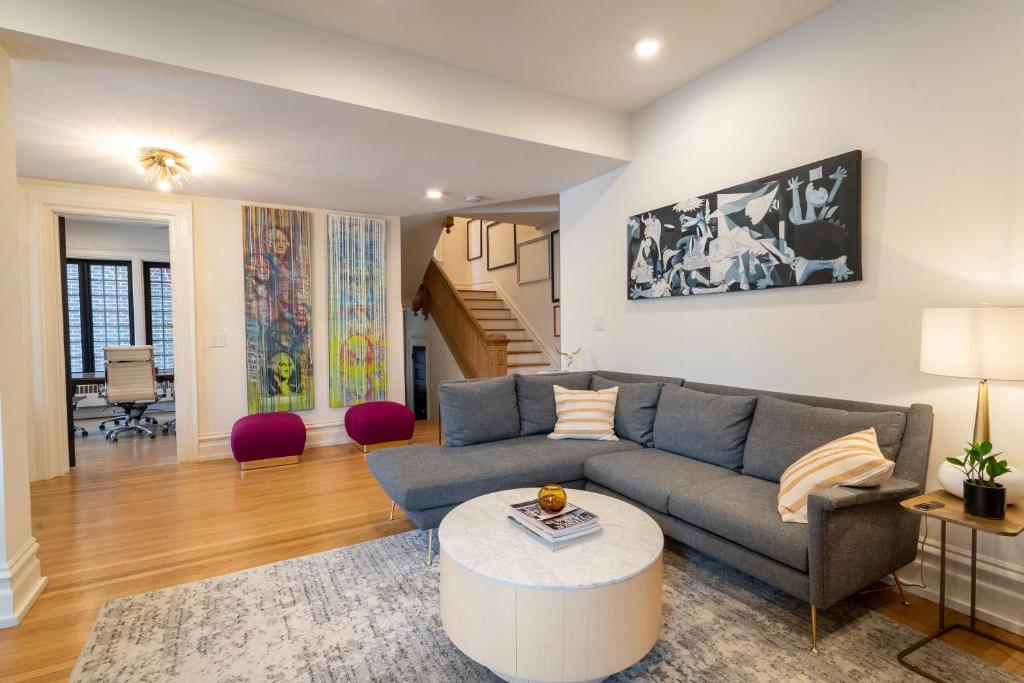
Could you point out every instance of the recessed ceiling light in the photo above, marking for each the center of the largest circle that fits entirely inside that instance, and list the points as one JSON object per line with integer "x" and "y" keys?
{"x": 434, "y": 194}
{"x": 647, "y": 48}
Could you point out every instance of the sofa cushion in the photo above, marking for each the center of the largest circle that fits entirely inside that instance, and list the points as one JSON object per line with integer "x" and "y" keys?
{"x": 707, "y": 427}
{"x": 649, "y": 475}
{"x": 742, "y": 509}
{"x": 784, "y": 431}
{"x": 427, "y": 476}
{"x": 635, "y": 409}
{"x": 537, "y": 398}
{"x": 637, "y": 378}
{"x": 478, "y": 410}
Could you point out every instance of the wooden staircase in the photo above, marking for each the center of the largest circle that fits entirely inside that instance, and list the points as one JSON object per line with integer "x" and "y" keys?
{"x": 483, "y": 336}
{"x": 491, "y": 311}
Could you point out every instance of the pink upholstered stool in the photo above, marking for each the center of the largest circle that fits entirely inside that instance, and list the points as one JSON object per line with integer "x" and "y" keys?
{"x": 369, "y": 424}
{"x": 268, "y": 439}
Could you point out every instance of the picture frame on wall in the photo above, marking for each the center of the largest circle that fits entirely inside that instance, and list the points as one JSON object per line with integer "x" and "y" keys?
{"x": 556, "y": 268}
{"x": 556, "y": 320}
{"x": 501, "y": 245}
{"x": 533, "y": 260}
{"x": 474, "y": 240}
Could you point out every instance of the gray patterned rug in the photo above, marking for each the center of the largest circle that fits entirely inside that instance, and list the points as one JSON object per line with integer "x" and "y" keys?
{"x": 369, "y": 612}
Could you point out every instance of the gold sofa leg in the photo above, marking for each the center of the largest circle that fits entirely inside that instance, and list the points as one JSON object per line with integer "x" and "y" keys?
{"x": 430, "y": 547}
{"x": 391, "y": 517}
{"x": 899, "y": 587}
{"x": 814, "y": 629}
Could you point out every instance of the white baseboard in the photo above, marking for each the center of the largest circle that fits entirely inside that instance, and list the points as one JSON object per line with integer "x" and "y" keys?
{"x": 218, "y": 446}
{"x": 1000, "y": 584}
{"x": 21, "y": 582}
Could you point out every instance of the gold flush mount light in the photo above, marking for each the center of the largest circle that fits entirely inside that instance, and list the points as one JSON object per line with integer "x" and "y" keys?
{"x": 164, "y": 168}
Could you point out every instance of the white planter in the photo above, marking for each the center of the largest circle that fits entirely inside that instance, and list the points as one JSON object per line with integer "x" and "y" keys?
{"x": 952, "y": 479}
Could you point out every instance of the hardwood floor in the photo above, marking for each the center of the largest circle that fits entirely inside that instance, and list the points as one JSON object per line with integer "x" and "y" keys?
{"x": 131, "y": 519}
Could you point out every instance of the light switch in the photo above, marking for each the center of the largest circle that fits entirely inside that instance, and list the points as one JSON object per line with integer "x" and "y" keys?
{"x": 217, "y": 340}
{"x": 598, "y": 323}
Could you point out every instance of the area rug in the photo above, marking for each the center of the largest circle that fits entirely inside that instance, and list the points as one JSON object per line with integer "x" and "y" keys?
{"x": 369, "y": 612}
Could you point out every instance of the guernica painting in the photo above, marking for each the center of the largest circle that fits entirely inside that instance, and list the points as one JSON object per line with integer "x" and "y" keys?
{"x": 799, "y": 227}
{"x": 279, "y": 355}
{"x": 357, "y": 309}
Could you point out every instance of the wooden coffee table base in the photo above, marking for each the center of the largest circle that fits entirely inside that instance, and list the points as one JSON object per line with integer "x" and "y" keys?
{"x": 541, "y": 634}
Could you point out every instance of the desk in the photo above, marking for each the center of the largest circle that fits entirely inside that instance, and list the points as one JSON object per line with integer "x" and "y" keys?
{"x": 78, "y": 378}
{"x": 953, "y": 512}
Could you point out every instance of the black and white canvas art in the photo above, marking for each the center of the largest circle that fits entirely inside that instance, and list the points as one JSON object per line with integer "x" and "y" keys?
{"x": 799, "y": 227}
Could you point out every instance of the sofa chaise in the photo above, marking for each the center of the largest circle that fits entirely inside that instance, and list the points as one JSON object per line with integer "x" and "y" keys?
{"x": 703, "y": 460}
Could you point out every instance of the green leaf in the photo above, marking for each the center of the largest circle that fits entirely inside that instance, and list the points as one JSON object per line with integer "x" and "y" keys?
{"x": 985, "y": 448}
{"x": 955, "y": 461}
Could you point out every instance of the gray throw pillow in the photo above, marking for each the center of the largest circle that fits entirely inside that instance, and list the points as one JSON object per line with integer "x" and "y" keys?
{"x": 635, "y": 408}
{"x": 785, "y": 431}
{"x": 478, "y": 410}
{"x": 707, "y": 427}
{"x": 537, "y": 398}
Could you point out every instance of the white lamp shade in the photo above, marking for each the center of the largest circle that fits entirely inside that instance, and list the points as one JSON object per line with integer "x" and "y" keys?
{"x": 979, "y": 343}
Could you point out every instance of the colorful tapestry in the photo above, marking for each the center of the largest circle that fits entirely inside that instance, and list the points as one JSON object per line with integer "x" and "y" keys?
{"x": 356, "y": 306}
{"x": 278, "y": 306}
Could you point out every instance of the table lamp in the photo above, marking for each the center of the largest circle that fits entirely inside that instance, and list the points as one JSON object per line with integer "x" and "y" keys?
{"x": 978, "y": 343}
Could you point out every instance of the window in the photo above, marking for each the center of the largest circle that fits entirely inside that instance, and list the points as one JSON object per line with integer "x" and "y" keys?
{"x": 159, "y": 331}
{"x": 99, "y": 310}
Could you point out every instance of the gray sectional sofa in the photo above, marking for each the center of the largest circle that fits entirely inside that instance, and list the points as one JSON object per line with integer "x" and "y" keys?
{"x": 703, "y": 460}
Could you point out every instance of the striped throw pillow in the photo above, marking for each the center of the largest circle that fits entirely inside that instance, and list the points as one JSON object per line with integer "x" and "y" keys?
{"x": 851, "y": 460}
{"x": 585, "y": 414}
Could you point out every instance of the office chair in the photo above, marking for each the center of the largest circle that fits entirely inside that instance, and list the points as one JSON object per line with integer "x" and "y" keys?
{"x": 82, "y": 391}
{"x": 131, "y": 386}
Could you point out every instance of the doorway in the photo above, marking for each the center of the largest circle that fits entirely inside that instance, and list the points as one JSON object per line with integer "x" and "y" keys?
{"x": 117, "y": 292}
{"x": 419, "y": 382}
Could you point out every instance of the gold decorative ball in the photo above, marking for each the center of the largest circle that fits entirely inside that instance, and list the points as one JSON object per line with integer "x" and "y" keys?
{"x": 552, "y": 497}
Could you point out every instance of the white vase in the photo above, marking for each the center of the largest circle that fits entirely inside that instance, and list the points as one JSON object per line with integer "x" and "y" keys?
{"x": 952, "y": 479}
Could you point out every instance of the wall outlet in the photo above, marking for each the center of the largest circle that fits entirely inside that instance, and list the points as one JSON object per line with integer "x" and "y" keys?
{"x": 598, "y": 323}
{"x": 218, "y": 340}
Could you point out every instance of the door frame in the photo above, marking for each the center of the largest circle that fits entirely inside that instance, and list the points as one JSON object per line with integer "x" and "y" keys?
{"x": 412, "y": 341}
{"x": 40, "y": 205}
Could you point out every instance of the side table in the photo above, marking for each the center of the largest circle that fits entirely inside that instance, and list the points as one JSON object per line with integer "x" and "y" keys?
{"x": 953, "y": 512}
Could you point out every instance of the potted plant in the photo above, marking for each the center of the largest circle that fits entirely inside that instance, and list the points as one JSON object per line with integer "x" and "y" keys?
{"x": 983, "y": 496}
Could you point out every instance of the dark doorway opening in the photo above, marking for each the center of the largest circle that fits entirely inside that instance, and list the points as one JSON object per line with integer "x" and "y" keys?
{"x": 419, "y": 382}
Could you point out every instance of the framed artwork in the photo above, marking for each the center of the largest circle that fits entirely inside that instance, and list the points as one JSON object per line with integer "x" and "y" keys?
{"x": 533, "y": 260}
{"x": 501, "y": 245}
{"x": 795, "y": 228}
{"x": 356, "y": 309}
{"x": 474, "y": 240}
{"x": 556, "y": 266}
{"x": 278, "y": 307}
{"x": 556, "y": 322}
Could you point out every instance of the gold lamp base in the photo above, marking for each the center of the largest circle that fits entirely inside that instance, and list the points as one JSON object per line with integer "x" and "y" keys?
{"x": 981, "y": 433}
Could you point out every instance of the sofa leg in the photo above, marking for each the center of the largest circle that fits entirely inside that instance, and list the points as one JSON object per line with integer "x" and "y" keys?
{"x": 430, "y": 547}
{"x": 899, "y": 587}
{"x": 391, "y": 517}
{"x": 814, "y": 629}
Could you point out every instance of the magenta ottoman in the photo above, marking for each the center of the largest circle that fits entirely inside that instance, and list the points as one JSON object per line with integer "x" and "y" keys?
{"x": 379, "y": 422}
{"x": 268, "y": 439}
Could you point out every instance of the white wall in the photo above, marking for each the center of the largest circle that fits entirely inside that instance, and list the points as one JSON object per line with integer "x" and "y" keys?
{"x": 217, "y": 225}
{"x": 123, "y": 242}
{"x": 930, "y": 91}
{"x": 533, "y": 299}
{"x": 20, "y": 578}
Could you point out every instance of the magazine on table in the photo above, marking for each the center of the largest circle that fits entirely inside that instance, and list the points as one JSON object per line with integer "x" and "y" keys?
{"x": 570, "y": 520}
{"x": 576, "y": 532}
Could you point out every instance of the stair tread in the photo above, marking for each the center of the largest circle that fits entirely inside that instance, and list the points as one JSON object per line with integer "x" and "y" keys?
{"x": 526, "y": 365}
{"x": 511, "y": 352}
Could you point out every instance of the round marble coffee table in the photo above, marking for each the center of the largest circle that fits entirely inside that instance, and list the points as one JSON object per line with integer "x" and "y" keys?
{"x": 532, "y": 612}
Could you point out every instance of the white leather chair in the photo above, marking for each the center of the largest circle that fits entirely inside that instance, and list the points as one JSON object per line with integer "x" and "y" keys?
{"x": 131, "y": 385}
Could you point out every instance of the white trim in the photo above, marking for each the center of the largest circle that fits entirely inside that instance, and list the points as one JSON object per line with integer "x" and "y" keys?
{"x": 40, "y": 204}
{"x": 1000, "y": 583}
{"x": 490, "y": 285}
{"x": 217, "y": 446}
{"x": 21, "y": 582}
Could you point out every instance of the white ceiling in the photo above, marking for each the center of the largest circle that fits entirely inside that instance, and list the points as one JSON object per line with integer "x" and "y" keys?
{"x": 80, "y": 114}
{"x": 577, "y": 48}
